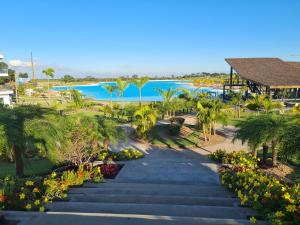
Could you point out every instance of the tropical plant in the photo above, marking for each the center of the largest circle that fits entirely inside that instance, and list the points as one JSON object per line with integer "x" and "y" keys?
{"x": 237, "y": 101}
{"x": 289, "y": 141}
{"x": 140, "y": 83}
{"x": 145, "y": 119}
{"x": 167, "y": 96}
{"x": 110, "y": 132}
{"x": 110, "y": 88}
{"x": 67, "y": 79}
{"x": 82, "y": 139}
{"x": 49, "y": 72}
{"x": 203, "y": 120}
{"x": 262, "y": 130}
{"x": 122, "y": 85}
{"x": 77, "y": 98}
{"x": 26, "y": 128}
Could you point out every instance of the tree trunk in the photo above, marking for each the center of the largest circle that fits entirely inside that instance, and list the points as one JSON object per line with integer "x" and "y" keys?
{"x": 274, "y": 154}
{"x": 265, "y": 152}
{"x": 239, "y": 112}
{"x": 18, "y": 161}
{"x": 254, "y": 153}
{"x": 140, "y": 97}
{"x": 105, "y": 144}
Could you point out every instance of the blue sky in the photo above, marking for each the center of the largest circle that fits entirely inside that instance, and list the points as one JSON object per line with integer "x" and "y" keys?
{"x": 154, "y": 37}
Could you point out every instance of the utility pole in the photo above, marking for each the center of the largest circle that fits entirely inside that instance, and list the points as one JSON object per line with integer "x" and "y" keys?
{"x": 16, "y": 86}
{"x": 32, "y": 67}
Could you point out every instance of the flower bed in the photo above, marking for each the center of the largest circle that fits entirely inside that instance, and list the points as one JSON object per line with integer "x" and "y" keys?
{"x": 274, "y": 200}
{"x": 33, "y": 193}
{"x": 124, "y": 155}
{"x": 110, "y": 171}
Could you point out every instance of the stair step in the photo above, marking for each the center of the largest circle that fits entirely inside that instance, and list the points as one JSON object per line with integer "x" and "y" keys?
{"x": 154, "y": 199}
{"x": 153, "y": 209}
{"x": 209, "y": 192}
{"x": 58, "y": 218}
{"x": 152, "y": 185}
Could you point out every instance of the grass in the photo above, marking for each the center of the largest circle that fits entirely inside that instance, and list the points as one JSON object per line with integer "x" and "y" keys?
{"x": 32, "y": 167}
{"x": 244, "y": 115}
{"x": 159, "y": 137}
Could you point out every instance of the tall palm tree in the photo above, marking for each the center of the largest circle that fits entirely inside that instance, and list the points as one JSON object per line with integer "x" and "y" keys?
{"x": 167, "y": 96}
{"x": 145, "y": 118}
{"x": 49, "y": 72}
{"x": 122, "y": 85}
{"x": 110, "y": 89}
{"x": 140, "y": 83}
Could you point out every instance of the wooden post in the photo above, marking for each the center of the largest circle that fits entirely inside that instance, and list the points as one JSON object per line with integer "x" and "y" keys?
{"x": 223, "y": 92}
{"x": 231, "y": 72}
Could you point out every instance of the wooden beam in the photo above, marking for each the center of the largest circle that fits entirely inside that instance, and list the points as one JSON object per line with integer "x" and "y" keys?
{"x": 231, "y": 72}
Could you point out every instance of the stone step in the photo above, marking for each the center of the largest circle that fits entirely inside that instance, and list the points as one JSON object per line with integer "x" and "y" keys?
{"x": 209, "y": 192}
{"x": 211, "y": 181}
{"x": 154, "y": 199}
{"x": 59, "y": 218}
{"x": 153, "y": 185}
{"x": 153, "y": 209}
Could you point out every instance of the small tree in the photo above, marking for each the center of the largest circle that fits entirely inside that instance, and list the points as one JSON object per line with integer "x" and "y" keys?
{"x": 110, "y": 89}
{"x": 140, "y": 83}
{"x": 49, "y": 72}
{"x": 237, "y": 101}
{"x": 167, "y": 96}
{"x": 145, "y": 119}
{"x": 121, "y": 85}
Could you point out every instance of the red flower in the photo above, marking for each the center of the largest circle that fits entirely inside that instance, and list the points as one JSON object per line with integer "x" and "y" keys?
{"x": 3, "y": 198}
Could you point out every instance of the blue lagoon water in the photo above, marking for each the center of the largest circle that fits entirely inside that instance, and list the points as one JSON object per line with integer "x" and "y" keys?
{"x": 149, "y": 92}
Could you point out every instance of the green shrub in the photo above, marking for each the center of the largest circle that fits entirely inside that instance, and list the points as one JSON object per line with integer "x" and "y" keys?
{"x": 218, "y": 155}
{"x": 174, "y": 129}
{"x": 124, "y": 155}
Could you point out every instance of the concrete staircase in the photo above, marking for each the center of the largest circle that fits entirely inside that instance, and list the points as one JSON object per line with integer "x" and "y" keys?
{"x": 124, "y": 203}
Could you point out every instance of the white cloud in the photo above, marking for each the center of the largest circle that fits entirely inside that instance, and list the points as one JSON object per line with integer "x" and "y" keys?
{"x": 19, "y": 63}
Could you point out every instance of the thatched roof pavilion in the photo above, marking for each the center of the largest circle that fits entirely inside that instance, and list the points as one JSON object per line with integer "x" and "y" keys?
{"x": 263, "y": 75}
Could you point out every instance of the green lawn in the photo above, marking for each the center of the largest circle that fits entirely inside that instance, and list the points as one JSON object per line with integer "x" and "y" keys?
{"x": 32, "y": 167}
{"x": 244, "y": 115}
{"x": 159, "y": 137}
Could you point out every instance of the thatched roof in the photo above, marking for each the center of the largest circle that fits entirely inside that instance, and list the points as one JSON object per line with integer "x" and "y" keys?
{"x": 271, "y": 72}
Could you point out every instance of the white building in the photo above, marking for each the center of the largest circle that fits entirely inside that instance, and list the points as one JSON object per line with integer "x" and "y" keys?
{"x": 6, "y": 92}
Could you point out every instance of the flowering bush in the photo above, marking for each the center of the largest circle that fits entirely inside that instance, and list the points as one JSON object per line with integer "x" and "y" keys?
{"x": 239, "y": 159}
{"x": 124, "y": 155}
{"x": 276, "y": 201}
{"x": 109, "y": 170}
{"x": 32, "y": 193}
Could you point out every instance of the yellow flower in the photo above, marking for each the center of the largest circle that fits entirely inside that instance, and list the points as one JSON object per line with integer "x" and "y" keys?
{"x": 255, "y": 196}
{"x": 279, "y": 214}
{"x": 286, "y": 196}
{"x": 37, "y": 202}
{"x": 53, "y": 175}
{"x": 28, "y": 206}
{"x": 42, "y": 209}
{"x": 46, "y": 200}
{"x": 267, "y": 194}
{"x": 36, "y": 190}
{"x": 283, "y": 188}
{"x": 29, "y": 183}
{"x": 252, "y": 220}
{"x": 291, "y": 208}
{"x": 22, "y": 196}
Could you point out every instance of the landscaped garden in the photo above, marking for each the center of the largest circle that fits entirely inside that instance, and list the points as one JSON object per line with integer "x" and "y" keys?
{"x": 45, "y": 150}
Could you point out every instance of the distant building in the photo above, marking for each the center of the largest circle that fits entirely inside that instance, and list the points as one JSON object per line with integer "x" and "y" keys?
{"x": 6, "y": 92}
{"x": 271, "y": 76}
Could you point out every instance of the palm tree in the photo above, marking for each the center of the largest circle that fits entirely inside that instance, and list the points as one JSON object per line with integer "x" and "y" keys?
{"x": 76, "y": 97}
{"x": 49, "y": 72}
{"x": 25, "y": 126}
{"x": 167, "y": 96}
{"x": 110, "y": 132}
{"x": 122, "y": 85}
{"x": 145, "y": 118}
{"x": 203, "y": 119}
{"x": 262, "y": 130}
{"x": 237, "y": 101}
{"x": 110, "y": 89}
{"x": 140, "y": 83}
